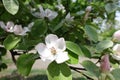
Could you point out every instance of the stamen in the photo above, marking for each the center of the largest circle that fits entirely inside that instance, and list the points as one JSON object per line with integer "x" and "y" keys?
{"x": 53, "y": 51}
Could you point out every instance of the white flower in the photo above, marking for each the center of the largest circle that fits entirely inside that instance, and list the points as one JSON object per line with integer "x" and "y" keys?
{"x": 53, "y": 50}
{"x": 68, "y": 18}
{"x": 45, "y": 13}
{"x": 116, "y": 36}
{"x": 8, "y": 27}
{"x": 16, "y": 29}
{"x": 61, "y": 7}
{"x": 88, "y": 8}
{"x": 116, "y": 50}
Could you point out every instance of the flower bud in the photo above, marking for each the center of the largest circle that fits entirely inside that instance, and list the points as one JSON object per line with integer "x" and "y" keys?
{"x": 105, "y": 64}
{"x": 116, "y": 36}
{"x": 88, "y": 8}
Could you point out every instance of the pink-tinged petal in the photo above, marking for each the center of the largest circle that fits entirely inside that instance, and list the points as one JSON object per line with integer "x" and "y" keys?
{"x": 50, "y": 39}
{"x": 116, "y": 35}
{"x": 9, "y": 26}
{"x": 18, "y": 29}
{"x": 2, "y": 25}
{"x": 116, "y": 48}
{"x": 43, "y": 50}
{"x": 42, "y": 12}
{"x": 60, "y": 44}
{"x": 117, "y": 57}
{"x": 62, "y": 57}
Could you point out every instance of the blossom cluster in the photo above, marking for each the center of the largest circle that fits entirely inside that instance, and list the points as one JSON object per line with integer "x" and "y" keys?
{"x": 53, "y": 49}
{"x": 14, "y": 28}
{"x": 116, "y": 47}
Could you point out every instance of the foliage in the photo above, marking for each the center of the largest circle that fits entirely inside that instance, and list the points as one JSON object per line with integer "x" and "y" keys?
{"x": 86, "y": 29}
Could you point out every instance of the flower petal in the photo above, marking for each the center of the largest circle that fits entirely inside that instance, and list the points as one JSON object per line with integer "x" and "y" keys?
{"x": 50, "y": 39}
{"x": 18, "y": 29}
{"x": 2, "y": 25}
{"x": 43, "y": 50}
{"x": 61, "y": 57}
{"x": 9, "y": 26}
{"x": 117, "y": 57}
{"x": 60, "y": 44}
{"x": 116, "y": 48}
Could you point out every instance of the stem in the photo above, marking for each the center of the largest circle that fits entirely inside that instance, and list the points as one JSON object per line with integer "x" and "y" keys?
{"x": 13, "y": 56}
{"x": 78, "y": 70}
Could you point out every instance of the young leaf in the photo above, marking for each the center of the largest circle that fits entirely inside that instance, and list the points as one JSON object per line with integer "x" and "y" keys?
{"x": 116, "y": 73}
{"x": 91, "y": 32}
{"x": 11, "y": 41}
{"x": 104, "y": 45}
{"x": 73, "y": 47}
{"x": 24, "y": 63}
{"x": 73, "y": 58}
{"x": 58, "y": 71}
{"x": 91, "y": 67}
{"x": 39, "y": 28}
{"x": 12, "y": 6}
{"x": 111, "y": 7}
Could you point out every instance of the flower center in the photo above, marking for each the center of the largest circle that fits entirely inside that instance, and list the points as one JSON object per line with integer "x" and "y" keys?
{"x": 53, "y": 51}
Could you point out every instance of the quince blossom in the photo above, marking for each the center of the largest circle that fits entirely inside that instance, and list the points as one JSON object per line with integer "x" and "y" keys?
{"x": 69, "y": 18}
{"x": 116, "y": 50}
{"x": 16, "y": 29}
{"x": 116, "y": 36}
{"x": 45, "y": 13}
{"x": 53, "y": 50}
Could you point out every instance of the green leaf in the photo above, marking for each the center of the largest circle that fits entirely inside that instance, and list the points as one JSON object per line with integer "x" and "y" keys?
{"x": 11, "y": 41}
{"x": 85, "y": 51}
{"x": 58, "y": 71}
{"x": 73, "y": 47}
{"x": 104, "y": 45}
{"x": 111, "y": 7}
{"x": 116, "y": 73}
{"x": 2, "y": 51}
{"x": 25, "y": 62}
{"x": 73, "y": 58}
{"x": 12, "y": 6}
{"x": 58, "y": 26}
{"x": 91, "y": 33}
{"x": 91, "y": 67}
{"x": 39, "y": 28}
{"x": 88, "y": 74}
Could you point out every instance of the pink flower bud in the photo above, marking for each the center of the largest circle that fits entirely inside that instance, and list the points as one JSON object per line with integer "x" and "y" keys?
{"x": 105, "y": 64}
{"x": 88, "y": 8}
{"x": 116, "y": 36}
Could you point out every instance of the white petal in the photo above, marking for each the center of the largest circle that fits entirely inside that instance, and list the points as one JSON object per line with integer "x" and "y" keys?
{"x": 9, "y": 26}
{"x": 50, "y": 39}
{"x": 42, "y": 12}
{"x": 62, "y": 57}
{"x": 50, "y": 14}
{"x": 2, "y": 25}
{"x": 117, "y": 57}
{"x": 18, "y": 29}
{"x": 116, "y": 48}
{"x": 60, "y": 44}
{"x": 42, "y": 50}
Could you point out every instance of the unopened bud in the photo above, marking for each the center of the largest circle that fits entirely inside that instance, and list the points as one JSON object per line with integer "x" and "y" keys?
{"x": 88, "y": 8}
{"x": 105, "y": 64}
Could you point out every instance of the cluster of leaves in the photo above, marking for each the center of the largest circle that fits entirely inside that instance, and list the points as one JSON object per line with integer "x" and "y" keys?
{"x": 81, "y": 35}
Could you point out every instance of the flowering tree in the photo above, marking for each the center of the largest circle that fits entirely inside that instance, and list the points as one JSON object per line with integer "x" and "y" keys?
{"x": 62, "y": 32}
